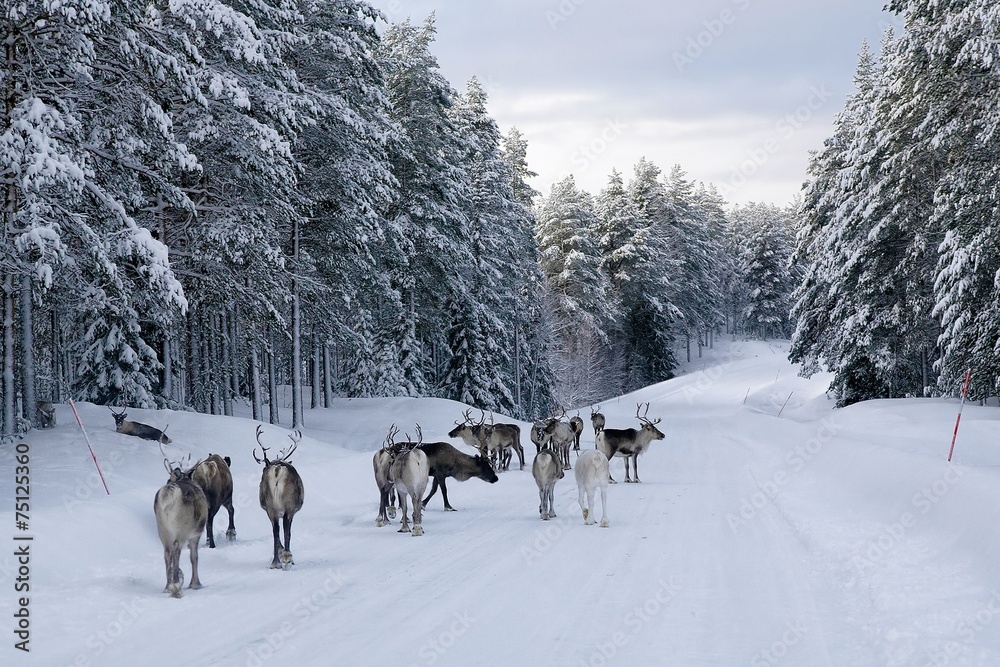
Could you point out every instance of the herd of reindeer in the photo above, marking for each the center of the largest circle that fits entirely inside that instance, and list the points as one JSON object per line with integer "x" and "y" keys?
{"x": 193, "y": 494}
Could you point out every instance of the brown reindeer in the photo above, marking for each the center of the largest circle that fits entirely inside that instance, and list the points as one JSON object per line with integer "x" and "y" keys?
{"x": 138, "y": 429}
{"x": 576, "y": 424}
{"x": 597, "y": 419}
{"x": 444, "y": 461}
{"x": 215, "y": 479}
{"x": 629, "y": 443}
{"x": 492, "y": 440}
{"x": 281, "y": 496}
{"x": 181, "y": 511}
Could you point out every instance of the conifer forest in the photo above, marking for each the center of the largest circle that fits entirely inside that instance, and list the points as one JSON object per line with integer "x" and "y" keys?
{"x": 204, "y": 203}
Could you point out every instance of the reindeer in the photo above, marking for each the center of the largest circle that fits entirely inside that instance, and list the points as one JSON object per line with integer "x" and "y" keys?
{"x": 281, "y": 496}
{"x": 538, "y": 434}
{"x": 547, "y": 470}
{"x": 629, "y": 443}
{"x": 576, "y": 424}
{"x": 215, "y": 479}
{"x": 493, "y": 441}
{"x": 409, "y": 472}
{"x": 137, "y": 429}
{"x": 592, "y": 473}
{"x": 45, "y": 414}
{"x": 597, "y": 420}
{"x": 444, "y": 461}
{"x": 381, "y": 463}
{"x": 181, "y": 511}
{"x": 559, "y": 435}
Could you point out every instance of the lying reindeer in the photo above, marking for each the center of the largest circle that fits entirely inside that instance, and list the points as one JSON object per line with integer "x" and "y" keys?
{"x": 215, "y": 479}
{"x": 629, "y": 443}
{"x": 137, "y": 429}
{"x": 45, "y": 414}
{"x": 181, "y": 511}
{"x": 281, "y": 496}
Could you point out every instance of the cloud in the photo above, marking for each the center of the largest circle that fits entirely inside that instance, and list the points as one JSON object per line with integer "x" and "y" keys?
{"x": 706, "y": 85}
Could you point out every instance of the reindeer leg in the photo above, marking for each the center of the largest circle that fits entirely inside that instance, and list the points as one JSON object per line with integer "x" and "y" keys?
{"x": 434, "y": 488}
{"x": 520, "y": 455}
{"x": 193, "y": 550}
{"x": 604, "y": 507}
{"x": 580, "y": 499}
{"x": 231, "y": 529}
{"x": 277, "y": 543}
{"x": 418, "y": 528}
{"x": 168, "y": 561}
{"x": 444, "y": 494}
{"x": 286, "y": 554}
{"x": 208, "y": 529}
{"x": 404, "y": 526}
{"x": 635, "y": 466}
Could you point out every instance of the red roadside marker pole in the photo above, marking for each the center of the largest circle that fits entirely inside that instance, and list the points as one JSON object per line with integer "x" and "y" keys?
{"x": 965, "y": 390}
{"x": 87, "y": 438}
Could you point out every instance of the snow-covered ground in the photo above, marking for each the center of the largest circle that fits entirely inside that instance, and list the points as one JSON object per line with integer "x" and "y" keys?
{"x": 817, "y": 537}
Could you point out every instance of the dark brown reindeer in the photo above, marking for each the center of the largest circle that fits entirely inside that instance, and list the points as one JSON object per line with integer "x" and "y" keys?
{"x": 215, "y": 479}
{"x": 45, "y": 414}
{"x": 281, "y": 496}
{"x": 444, "y": 461}
{"x": 137, "y": 429}
{"x": 576, "y": 424}
{"x": 629, "y": 443}
{"x": 181, "y": 511}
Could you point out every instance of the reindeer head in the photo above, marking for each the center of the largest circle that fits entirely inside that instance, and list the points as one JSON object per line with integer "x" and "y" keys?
{"x": 118, "y": 416}
{"x": 178, "y": 470}
{"x": 648, "y": 426}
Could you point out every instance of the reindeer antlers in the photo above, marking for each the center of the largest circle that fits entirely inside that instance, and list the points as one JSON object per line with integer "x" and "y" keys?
{"x": 642, "y": 418}
{"x": 283, "y": 454}
{"x": 171, "y": 466}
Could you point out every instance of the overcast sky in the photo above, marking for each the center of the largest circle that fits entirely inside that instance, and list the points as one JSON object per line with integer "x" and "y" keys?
{"x": 735, "y": 91}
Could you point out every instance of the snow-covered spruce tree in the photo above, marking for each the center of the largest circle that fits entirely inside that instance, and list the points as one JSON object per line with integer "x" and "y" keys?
{"x": 766, "y": 239}
{"x": 243, "y": 240}
{"x": 348, "y": 183}
{"x": 697, "y": 250}
{"x": 432, "y": 259}
{"x": 571, "y": 264}
{"x": 951, "y": 49}
{"x": 83, "y": 89}
{"x": 515, "y": 153}
{"x": 878, "y": 246}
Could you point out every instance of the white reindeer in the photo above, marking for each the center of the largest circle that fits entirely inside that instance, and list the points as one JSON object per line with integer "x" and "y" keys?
{"x": 592, "y": 474}
{"x": 409, "y": 473}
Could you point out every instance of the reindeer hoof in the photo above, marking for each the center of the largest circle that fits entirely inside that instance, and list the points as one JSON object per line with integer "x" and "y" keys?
{"x": 418, "y": 531}
{"x": 195, "y": 585}
{"x": 404, "y": 529}
{"x": 392, "y": 512}
{"x": 450, "y": 509}
{"x": 231, "y": 535}
{"x": 379, "y": 522}
{"x": 174, "y": 590}
{"x": 604, "y": 523}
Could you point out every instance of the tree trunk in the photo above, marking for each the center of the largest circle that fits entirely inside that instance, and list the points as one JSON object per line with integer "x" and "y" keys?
{"x": 327, "y": 377}
{"x": 272, "y": 382}
{"x": 27, "y": 351}
{"x": 8, "y": 358}
{"x": 296, "y": 335}
{"x": 255, "y": 389}
{"x": 316, "y": 396}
